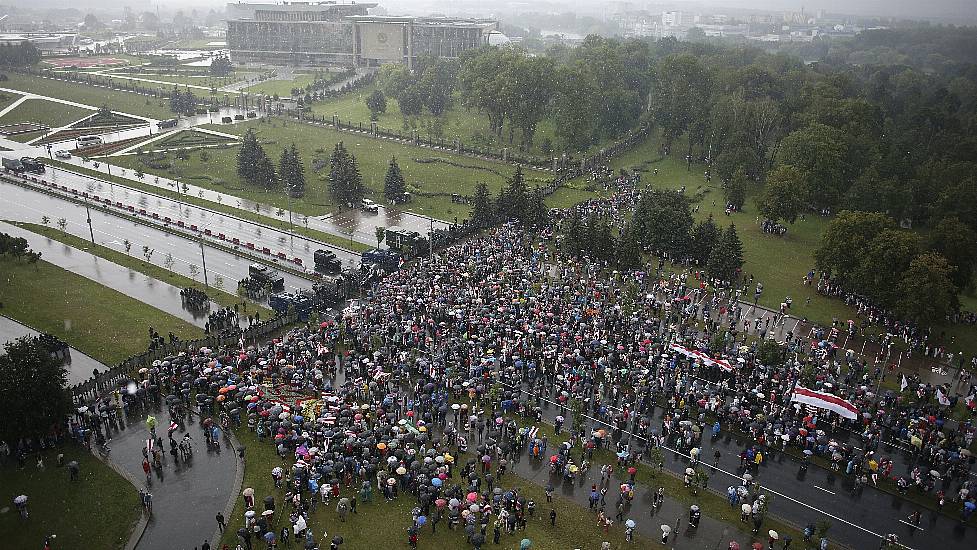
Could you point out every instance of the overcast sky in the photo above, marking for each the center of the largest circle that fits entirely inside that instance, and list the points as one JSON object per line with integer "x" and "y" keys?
{"x": 923, "y": 9}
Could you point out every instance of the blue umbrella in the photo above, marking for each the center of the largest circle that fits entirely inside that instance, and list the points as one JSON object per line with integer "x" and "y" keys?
{"x": 421, "y": 520}
{"x": 436, "y": 482}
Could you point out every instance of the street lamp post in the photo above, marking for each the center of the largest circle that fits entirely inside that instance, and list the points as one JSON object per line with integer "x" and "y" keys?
{"x": 203, "y": 261}
{"x": 88, "y": 212}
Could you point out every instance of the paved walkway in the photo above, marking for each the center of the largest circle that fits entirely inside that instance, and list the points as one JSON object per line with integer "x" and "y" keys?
{"x": 80, "y": 366}
{"x": 186, "y": 495}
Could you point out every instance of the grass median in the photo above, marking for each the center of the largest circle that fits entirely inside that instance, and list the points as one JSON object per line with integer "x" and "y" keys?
{"x": 277, "y": 223}
{"x": 149, "y": 269}
{"x": 99, "y": 321}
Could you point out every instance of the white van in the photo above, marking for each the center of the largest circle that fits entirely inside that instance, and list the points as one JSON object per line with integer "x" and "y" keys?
{"x": 369, "y": 206}
{"x": 87, "y": 142}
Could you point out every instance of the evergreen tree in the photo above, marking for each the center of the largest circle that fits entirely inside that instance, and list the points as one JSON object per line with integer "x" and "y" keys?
{"x": 628, "y": 248}
{"x": 265, "y": 173}
{"x": 394, "y": 185}
{"x": 376, "y": 102}
{"x": 726, "y": 258}
{"x": 512, "y": 199}
{"x": 291, "y": 173}
{"x": 705, "y": 234}
{"x": 249, "y": 156}
{"x": 482, "y": 215}
{"x": 536, "y": 212}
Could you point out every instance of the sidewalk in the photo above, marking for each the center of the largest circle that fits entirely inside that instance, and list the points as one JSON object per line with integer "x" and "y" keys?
{"x": 186, "y": 496}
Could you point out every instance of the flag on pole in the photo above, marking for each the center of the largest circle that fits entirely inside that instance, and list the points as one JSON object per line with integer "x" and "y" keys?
{"x": 904, "y": 384}
{"x": 941, "y": 398}
{"x": 823, "y": 400}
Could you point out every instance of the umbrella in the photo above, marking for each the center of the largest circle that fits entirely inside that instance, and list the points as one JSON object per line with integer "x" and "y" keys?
{"x": 689, "y": 471}
{"x": 733, "y": 545}
{"x": 267, "y": 512}
{"x": 421, "y": 520}
{"x": 630, "y": 524}
{"x": 20, "y": 500}
{"x": 524, "y": 544}
{"x": 337, "y": 540}
{"x": 666, "y": 529}
{"x": 773, "y": 534}
{"x": 437, "y": 482}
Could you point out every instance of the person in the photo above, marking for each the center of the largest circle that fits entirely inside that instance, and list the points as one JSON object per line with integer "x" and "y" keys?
{"x": 205, "y": 545}
{"x": 220, "y": 522}
{"x": 553, "y": 516}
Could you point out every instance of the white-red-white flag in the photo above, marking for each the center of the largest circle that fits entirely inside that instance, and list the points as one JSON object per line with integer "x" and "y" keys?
{"x": 823, "y": 400}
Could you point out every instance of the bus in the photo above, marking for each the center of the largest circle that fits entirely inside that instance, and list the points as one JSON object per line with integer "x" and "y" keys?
{"x": 86, "y": 142}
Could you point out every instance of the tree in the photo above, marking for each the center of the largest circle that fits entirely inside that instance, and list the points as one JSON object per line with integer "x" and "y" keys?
{"x": 194, "y": 271}
{"x": 770, "y": 353}
{"x": 664, "y": 222}
{"x": 264, "y": 174}
{"x": 954, "y": 240}
{"x": 290, "y": 171}
{"x": 627, "y": 250}
{"x": 169, "y": 261}
{"x": 221, "y": 66}
{"x": 927, "y": 293}
{"x": 345, "y": 182}
{"x": 92, "y": 23}
{"x": 482, "y": 214}
{"x": 881, "y": 265}
{"x": 513, "y": 198}
{"x": 817, "y": 151}
{"x": 249, "y": 156}
{"x": 376, "y": 102}
{"x": 33, "y": 399}
{"x": 845, "y": 237}
{"x": 726, "y": 258}
{"x": 781, "y": 199}
{"x": 705, "y": 235}
{"x": 381, "y": 232}
{"x": 394, "y": 186}
{"x": 62, "y": 224}
{"x": 736, "y": 189}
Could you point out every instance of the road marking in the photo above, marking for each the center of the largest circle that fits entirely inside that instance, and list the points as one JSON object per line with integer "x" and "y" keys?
{"x": 825, "y": 490}
{"x": 733, "y": 475}
{"x": 911, "y": 525}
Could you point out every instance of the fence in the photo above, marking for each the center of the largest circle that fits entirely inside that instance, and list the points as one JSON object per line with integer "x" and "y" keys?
{"x": 111, "y": 378}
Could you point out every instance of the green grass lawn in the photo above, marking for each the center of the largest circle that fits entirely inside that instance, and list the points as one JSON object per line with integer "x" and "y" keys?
{"x": 779, "y": 262}
{"x": 168, "y": 81}
{"x": 383, "y": 524}
{"x": 97, "y": 511}
{"x": 97, "y": 320}
{"x": 27, "y": 136}
{"x": 471, "y": 126}
{"x": 126, "y": 102}
{"x": 132, "y": 261}
{"x": 284, "y": 87}
{"x": 6, "y": 98}
{"x": 48, "y": 113}
{"x": 373, "y": 157}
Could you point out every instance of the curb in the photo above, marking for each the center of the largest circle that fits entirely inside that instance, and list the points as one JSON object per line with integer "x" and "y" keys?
{"x": 143, "y": 522}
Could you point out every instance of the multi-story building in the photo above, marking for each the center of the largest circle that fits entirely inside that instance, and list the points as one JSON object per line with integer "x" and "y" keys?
{"x": 328, "y": 33}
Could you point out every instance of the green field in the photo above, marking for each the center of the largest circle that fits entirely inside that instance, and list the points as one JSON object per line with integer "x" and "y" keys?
{"x": 126, "y": 102}
{"x": 189, "y": 138}
{"x": 284, "y": 87}
{"x": 471, "y": 126}
{"x": 373, "y": 156}
{"x": 166, "y": 82}
{"x": 101, "y": 322}
{"x": 48, "y": 113}
{"x": 97, "y": 511}
{"x": 779, "y": 262}
{"x": 6, "y": 98}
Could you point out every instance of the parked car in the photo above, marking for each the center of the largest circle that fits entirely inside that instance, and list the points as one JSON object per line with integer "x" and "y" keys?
{"x": 62, "y": 154}
{"x": 369, "y": 206}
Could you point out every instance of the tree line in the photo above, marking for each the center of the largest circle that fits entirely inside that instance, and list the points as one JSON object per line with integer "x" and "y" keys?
{"x": 24, "y": 54}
